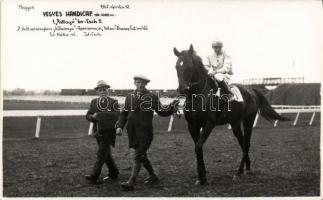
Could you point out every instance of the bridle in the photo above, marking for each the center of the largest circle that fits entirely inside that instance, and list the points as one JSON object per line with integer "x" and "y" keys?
{"x": 191, "y": 84}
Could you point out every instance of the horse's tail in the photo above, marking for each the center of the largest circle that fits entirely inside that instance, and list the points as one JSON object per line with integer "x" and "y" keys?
{"x": 266, "y": 110}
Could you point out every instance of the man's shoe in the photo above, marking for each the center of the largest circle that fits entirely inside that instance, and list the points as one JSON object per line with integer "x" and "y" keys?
{"x": 151, "y": 180}
{"x": 125, "y": 186}
{"x": 91, "y": 179}
{"x": 109, "y": 178}
{"x": 114, "y": 175}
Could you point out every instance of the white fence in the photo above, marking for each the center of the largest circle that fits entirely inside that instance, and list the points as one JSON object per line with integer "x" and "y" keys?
{"x": 298, "y": 110}
{"x": 45, "y": 113}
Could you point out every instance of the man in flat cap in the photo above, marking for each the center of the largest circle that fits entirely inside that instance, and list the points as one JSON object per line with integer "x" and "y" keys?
{"x": 103, "y": 114}
{"x": 138, "y": 112}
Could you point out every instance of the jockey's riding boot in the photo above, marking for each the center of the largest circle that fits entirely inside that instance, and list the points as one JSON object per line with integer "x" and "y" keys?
{"x": 129, "y": 185}
{"x": 224, "y": 86}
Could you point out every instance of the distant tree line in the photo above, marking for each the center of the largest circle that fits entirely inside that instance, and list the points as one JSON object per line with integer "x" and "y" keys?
{"x": 81, "y": 92}
{"x": 23, "y": 92}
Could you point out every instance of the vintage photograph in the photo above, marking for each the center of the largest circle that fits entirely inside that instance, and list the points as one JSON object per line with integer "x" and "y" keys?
{"x": 161, "y": 98}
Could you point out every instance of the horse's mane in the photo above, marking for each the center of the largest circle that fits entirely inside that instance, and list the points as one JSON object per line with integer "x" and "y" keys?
{"x": 199, "y": 63}
{"x": 197, "y": 60}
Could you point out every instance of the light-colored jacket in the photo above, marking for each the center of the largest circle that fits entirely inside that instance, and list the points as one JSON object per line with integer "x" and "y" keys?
{"x": 219, "y": 63}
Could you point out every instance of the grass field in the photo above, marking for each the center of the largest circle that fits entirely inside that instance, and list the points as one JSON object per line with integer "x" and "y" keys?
{"x": 285, "y": 161}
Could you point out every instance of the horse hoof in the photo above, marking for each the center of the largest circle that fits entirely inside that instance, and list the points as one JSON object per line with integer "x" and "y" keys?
{"x": 198, "y": 182}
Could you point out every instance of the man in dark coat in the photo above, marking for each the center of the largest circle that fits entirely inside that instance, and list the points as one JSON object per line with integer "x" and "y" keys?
{"x": 103, "y": 114}
{"x": 138, "y": 112}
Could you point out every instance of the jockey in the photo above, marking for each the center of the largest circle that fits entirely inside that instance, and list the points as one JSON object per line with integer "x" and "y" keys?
{"x": 219, "y": 66}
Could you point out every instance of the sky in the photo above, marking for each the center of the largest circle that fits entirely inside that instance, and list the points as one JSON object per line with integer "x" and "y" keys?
{"x": 264, "y": 38}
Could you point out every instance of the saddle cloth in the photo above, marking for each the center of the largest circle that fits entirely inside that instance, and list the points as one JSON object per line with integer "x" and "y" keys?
{"x": 236, "y": 93}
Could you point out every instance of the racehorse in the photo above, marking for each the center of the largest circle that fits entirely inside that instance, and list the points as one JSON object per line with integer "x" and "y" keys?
{"x": 204, "y": 109}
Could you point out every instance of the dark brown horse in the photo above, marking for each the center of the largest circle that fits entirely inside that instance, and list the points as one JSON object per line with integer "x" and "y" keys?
{"x": 203, "y": 109}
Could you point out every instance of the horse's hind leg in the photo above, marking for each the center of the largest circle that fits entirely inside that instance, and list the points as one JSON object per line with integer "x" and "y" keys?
{"x": 248, "y": 124}
{"x": 236, "y": 128}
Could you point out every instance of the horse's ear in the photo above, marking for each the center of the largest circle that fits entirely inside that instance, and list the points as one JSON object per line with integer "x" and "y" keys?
{"x": 191, "y": 50}
{"x": 176, "y": 52}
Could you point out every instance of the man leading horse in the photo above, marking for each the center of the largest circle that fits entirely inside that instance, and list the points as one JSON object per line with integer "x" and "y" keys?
{"x": 138, "y": 113}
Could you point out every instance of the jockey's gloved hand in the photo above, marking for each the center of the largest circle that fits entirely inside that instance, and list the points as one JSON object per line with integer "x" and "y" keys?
{"x": 119, "y": 131}
{"x": 211, "y": 73}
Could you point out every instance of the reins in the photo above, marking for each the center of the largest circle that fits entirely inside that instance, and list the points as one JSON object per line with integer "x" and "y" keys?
{"x": 198, "y": 82}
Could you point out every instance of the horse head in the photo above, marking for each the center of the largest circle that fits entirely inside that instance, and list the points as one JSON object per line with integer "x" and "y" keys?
{"x": 189, "y": 69}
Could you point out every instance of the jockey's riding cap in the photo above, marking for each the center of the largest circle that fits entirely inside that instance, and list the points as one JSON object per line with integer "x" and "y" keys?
{"x": 217, "y": 43}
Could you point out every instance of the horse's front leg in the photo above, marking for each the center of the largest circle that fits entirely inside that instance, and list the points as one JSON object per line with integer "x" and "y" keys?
{"x": 207, "y": 128}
